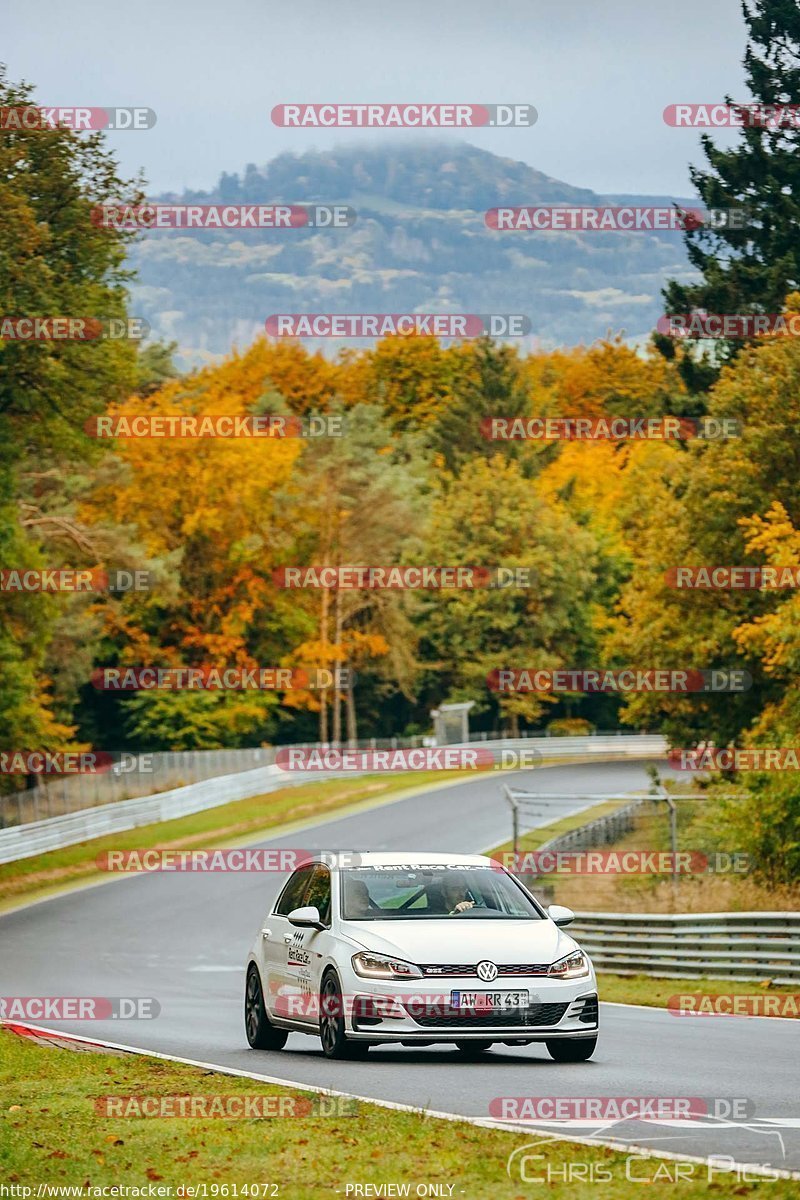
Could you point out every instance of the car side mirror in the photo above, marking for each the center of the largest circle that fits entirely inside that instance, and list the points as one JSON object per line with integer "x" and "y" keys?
{"x": 305, "y": 918}
{"x": 560, "y": 914}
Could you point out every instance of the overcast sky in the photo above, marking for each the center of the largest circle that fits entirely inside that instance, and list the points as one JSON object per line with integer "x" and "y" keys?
{"x": 600, "y": 73}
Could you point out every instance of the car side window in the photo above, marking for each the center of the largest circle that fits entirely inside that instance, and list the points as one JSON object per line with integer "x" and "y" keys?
{"x": 292, "y": 895}
{"x": 319, "y": 893}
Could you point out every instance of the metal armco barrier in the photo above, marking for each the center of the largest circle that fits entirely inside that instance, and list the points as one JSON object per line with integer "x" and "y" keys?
{"x": 52, "y": 833}
{"x": 135, "y": 775}
{"x": 131, "y": 776}
{"x": 603, "y": 831}
{"x": 742, "y": 945}
{"x": 23, "y": 841}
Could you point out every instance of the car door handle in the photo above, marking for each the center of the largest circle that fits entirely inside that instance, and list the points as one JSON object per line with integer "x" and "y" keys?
{"x": 266, "y": 933}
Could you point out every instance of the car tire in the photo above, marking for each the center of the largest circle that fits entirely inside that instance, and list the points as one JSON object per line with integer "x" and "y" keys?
{"x": 261, "y": 1034}
{"x": 571, "y": 1049}
{"x": 473, "y": 1049}
{"x": 335, "y": 1043}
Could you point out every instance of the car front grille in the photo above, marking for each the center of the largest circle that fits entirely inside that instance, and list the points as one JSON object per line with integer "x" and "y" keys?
{"x": 442, "y": 1016}
{"x": 471, "y": 969}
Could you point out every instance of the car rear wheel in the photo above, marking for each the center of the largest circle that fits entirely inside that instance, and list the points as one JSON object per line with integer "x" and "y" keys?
{"x": 261, "y": 1034}
{"x": 331, "y": 1023}
{"x": 473, "y": 1049}
{"x": 571, "y": 1049}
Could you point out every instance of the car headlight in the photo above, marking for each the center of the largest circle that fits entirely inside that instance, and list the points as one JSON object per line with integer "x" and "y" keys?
{"x": 573, "y": 966}
{"x": 380, "y": 966}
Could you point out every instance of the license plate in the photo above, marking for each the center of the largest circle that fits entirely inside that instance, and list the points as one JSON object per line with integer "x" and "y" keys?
{"x": 488, "y": 1001}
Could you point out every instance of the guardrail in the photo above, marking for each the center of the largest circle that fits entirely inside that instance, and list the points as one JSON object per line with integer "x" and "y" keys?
{"x": 128, "y": 777}
{"x": 742, "y": 945}
{"x": 35, "y": 837}
{"x": 134, "y": 775}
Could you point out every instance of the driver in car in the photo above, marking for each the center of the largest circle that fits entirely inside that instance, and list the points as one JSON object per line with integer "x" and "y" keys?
{"x": 455, "y": 897}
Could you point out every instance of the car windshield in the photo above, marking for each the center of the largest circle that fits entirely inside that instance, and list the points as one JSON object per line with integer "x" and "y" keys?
{"x": 387, "y": 893}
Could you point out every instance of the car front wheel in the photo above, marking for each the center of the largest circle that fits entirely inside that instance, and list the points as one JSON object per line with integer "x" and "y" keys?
{"x": 571, "y": 1049}
{"x": 331, "y": 1023}
{"x": 261, "y": 1034}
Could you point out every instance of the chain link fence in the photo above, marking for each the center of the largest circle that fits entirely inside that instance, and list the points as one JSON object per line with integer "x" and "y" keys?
{"x": 135, "y": 775}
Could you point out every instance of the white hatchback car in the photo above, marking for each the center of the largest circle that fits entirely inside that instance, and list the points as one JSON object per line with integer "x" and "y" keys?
{"x": 417, "y": 949}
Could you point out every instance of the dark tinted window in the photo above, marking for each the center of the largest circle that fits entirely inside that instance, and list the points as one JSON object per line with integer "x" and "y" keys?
{"x": 319, "y": 894}
{"x": 292, "y": 895}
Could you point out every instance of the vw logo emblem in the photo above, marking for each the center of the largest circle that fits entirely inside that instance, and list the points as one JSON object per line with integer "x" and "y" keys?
{"x": 486, "y": 971}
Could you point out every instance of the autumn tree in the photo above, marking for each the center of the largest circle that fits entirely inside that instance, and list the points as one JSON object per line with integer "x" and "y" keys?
{"x": 491, "y": 516}
{"x": 53, "y": 262}
{"x": 356, "y": 500}
{"x": 411, "y": 377}
{"x": 206, "y": 513}
{"x": 696, "y": 510}
{"x": 770, "y": 826}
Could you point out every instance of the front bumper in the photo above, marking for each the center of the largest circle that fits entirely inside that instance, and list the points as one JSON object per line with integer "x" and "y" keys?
{"x": 420, "y": 1011}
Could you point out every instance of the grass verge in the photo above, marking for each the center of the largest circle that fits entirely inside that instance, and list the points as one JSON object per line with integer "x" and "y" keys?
{"x": 51, "y": 1134}
{"x": 641, "y": 989}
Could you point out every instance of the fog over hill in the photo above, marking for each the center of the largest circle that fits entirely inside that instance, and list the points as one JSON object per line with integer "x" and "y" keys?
{"x": 419, "y": 244}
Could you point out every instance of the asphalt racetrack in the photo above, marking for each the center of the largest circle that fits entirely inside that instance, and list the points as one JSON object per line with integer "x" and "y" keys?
{"x": 183, "y": 938}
